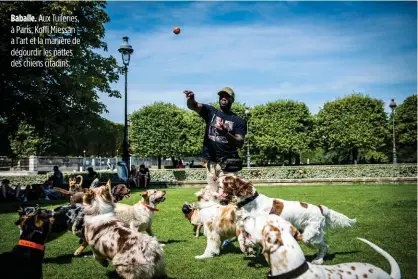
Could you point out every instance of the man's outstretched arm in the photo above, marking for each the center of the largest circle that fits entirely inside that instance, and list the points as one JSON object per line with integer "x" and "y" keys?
{"x": 191, "y": 102}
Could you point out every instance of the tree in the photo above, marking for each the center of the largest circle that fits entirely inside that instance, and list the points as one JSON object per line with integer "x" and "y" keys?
{"x": 43, "y": 96}
{"x": 353, "y": 128}
{"x": 281, "y": 130}
{"x": 405, "y": 130}
{"x": 156, "y": 131}
{"x": 191, "y": 134}
{"x": 26, "y": 142}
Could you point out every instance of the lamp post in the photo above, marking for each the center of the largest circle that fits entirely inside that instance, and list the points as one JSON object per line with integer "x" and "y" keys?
{"x": 247, "y": 113}
{"x": 126, "y": 50}
{"x": 392, "y": 105}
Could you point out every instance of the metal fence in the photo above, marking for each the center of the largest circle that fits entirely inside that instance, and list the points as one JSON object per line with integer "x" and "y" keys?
{"x": 46, "y": 163}
{"x": 76, "y": 164}
{"x": 14, "y": 164}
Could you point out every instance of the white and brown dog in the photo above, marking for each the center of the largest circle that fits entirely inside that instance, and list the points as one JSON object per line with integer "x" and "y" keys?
{"x": 311, "y": 220}
{"x": 135, "y": 255}
{"x": 140, "y": 216}
{"x": 281, "y": 250}
{"x": 219, "y": 222}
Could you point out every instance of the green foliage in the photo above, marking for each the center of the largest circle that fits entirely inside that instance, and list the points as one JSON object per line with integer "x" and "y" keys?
{"x": 27, "y": 142}
{"x": 280, "y": 128}
{"x": 294, "y": 172}
{"x": 24, "y": 180}
{"x": 191, "y": 134}
{"x": 56, "y": 101}
{"x": 157, "y": 131}
{"x": 405, "y": 129}
{"x": 353, "y": 126}
{"x": 273, "y": 174}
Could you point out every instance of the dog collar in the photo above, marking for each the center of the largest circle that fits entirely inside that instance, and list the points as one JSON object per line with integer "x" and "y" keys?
{"x": 291, "y": 274}
{"x": 247, "y": 200}
{"x": 31, "y": 244}
{"x": 149, "y": 207}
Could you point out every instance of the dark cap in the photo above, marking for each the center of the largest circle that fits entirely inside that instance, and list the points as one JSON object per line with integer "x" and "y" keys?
{"x": 227, "y": 90}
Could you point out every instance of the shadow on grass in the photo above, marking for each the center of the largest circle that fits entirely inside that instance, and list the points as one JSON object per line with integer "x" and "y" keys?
{"x": 231, "y": 249}
{"x": 331, "y": 256}
{"x": 256, "y": 262}
{"x": 66, "y": 259}
{"x": 11, "y": 207}
{"x": 170, "y": 241}
{"x": 114, "y": 275}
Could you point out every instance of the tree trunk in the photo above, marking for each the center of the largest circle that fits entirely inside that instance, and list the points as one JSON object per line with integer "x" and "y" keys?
{"x": 297, "y": 161}
{"x": 159, "y": 162}
{"x": 290, "y": 157}
{"x": 355, "y": 155}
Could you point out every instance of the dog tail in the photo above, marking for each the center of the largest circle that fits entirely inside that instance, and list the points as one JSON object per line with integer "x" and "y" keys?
{"x": 81, "y": 179}
{"x": 336, "y": 220}
{"x": 394, "y": 267}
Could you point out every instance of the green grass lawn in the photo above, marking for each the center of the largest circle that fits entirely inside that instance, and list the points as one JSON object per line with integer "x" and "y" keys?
{"x": 386, "y": 215}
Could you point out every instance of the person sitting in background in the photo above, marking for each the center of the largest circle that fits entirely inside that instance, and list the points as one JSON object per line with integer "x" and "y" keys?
{"x": 143, "y": 176}
{"x": 50, "y": 193}
{"x": 132, "y": 176}
{"x": 93, "y": 177}
{"x": 8, "y": 192}
{"x": 58, "y": 177}
{"x": 181, "y": 166}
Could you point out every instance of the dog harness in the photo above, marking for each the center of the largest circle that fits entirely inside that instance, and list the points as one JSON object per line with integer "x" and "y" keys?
{"x": 31, "y": 244}
{"x": 247, "y": 200}
{"x": 291, "y": 274}
{"x": 149, "y": 207}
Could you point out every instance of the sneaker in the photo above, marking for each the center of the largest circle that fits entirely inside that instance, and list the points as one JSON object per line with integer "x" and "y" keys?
{"x": 226, "y": 242}
{"x": 46, "y": 198}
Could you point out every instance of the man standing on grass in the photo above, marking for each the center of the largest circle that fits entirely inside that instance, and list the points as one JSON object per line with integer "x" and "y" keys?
{"x": 224, "y": 134}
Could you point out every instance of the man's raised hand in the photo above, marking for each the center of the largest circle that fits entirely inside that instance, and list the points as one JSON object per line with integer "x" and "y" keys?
{"x": 189, "y": 94}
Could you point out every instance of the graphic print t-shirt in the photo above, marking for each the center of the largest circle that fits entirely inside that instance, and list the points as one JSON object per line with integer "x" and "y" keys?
{"x": 216, "y": 146}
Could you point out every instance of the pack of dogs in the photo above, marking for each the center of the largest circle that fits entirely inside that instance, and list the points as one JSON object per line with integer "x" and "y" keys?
{"x": 276, "y": 227}
{"x": 122, "y": 234}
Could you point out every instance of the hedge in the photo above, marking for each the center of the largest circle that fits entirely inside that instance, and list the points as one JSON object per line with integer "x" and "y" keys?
{"x": 266, "y": 173}
{"x": 41, "y": 178}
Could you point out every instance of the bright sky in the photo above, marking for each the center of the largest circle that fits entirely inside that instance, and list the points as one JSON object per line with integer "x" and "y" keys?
{"x": 305, "y": 51}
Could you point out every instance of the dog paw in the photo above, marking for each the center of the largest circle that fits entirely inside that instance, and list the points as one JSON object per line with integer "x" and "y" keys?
{"x": 318, "y": 261}
{"x": 162, "y": 245}
{"x": 201, "y": 257}
{"x": 77, "y": 253}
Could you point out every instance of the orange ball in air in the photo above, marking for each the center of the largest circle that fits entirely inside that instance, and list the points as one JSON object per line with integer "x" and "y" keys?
{"x": 176, "y": 30}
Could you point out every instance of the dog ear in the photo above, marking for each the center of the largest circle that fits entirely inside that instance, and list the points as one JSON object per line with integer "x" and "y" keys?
{"x": 38, "y": 221}
{"x": 295, "y": 232}
{"x": 88, "y": 196}
{"x": 108, "y": 190}
{"x": 144, "y": 194}
{"x": 272, "y": 237}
